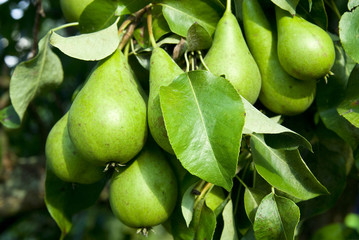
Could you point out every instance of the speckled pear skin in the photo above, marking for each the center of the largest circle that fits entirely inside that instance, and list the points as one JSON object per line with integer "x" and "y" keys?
{"x": 280, "y": 93}
{"x": 144, "y": 193}
{"x": 305, "y": 50}
{"x": 163, "y": 70}
{"x": 230, "y": 56}
{"x": 108, "y": 118}
{"x": 63, "y": 159}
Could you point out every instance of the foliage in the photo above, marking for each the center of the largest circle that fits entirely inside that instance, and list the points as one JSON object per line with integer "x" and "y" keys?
{"x": 270, "y": 173}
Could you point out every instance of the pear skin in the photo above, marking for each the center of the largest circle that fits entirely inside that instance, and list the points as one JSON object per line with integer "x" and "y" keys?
{"x": 230, "y": 56}
{"x": 63, "y": 159}
{"x": 162, "y": 72}
{"x": 108, "y": 118}
{"x": 280, "y": 92}
{"x": 305, "y": 51}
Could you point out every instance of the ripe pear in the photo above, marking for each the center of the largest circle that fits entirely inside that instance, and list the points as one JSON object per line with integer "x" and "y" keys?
{"x": 305, "y": 51}
{"x": 63, "y": 159}
{"x": 280, "y": 92}
{"x": 144, "y": 193}
{"x": 162, "y": 72}
{"x": 230, "y": 56}
{"x": 72, "y": 9}
{"x": 108, "y": 120}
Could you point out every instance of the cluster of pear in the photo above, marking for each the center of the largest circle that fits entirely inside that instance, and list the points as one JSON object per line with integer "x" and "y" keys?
{"x": 281, "y": 73}
{"x": 107, "y": 125}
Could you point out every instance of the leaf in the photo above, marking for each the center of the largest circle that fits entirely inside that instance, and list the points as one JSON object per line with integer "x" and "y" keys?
{"x": 349, "y": 107}
{"x": 159, "y": 23}
{"x": 288, "y": 5}
{"x": 32, "y": 77}
{"x": 187, "y": 205}
{"x": 206, "y": 224}
{"x": 252, "y": 199}
{"x": 89, "y": 46}
{"x": 352, "y": 220}
{"x": 285, "y": 170}
{"x": 9, "y": 118}
{"x": 348, "y": 33}
{"x": 204, "y": 118}
{"x": 229, "y": 229}
{"x": 316, "y": 14}
{"x": 277, "y": 218}
{"x": 180, "y": 15}
{"x": 63, "y": 199}
{"x": 198, "y": 38}
{"x": 99, "y": 14}
{"x": 335, "y": 231}
{"x": 352, "y": 4}
{"x": 131, "y": 6}
{"x": 257, "y": 122}
{"x": 327, "y": 104}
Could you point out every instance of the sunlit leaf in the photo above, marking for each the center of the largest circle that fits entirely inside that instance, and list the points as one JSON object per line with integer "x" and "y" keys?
{"x": 288, "y": 5}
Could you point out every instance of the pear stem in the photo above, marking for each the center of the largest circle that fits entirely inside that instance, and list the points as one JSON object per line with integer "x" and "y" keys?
{"x": 241, "y": 181}
{"x": 149, "y": 26}
{"x": 192, "y": 61}
{"x": 202, "y": 61}
{"x": 187, "y": 62}
{"x": 127, "y": 49}
{"x": 65, "y": 26}
{"x": 229, "y": 7}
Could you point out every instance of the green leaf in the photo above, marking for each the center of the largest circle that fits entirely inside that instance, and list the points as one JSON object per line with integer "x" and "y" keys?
{"x": 98, "y": 15}
{"x": 285, "y": 170}
{"x": 277, "y": 218}
{"x": 64, "y": 199}
{"x": 229, "y": 229}
{"x": 204, "y": 118}
{"x": 349, "y": 107}
{"x": 252, "y": 199}
{"x": 288, "y": 5}
{"x": 204, "y": 228}
{"x": 32, "y": 77}
{"x": 131, "y": 6}
{"x": 335, "y": 231}
{"x": 257, "y": 122}
{"x": 316, "y": 14}
{"x": 159, "y": 23}
{"x": 352, "y": 220}
{"x": 348, "y": 33}
{"x": 9, "y": 118}
{"x": 198, "y": 38}
{"x": 352, "y": 4}
{"x": 180, "y": 15}
{"x": 89, "y": 46}
{"x": 327, "y": 104}
{"x": 187, "y": 205}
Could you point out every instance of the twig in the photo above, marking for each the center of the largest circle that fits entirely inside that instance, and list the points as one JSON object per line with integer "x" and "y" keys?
{"x": 35, "y": 31}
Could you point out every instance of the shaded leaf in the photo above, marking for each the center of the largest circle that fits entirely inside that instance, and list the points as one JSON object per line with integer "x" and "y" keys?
{"x": 349, "y": 107}
{"x": 252, "y": 199}
{"x": 187, "y": 205}
{"x": 257, "y": 122}
{"x": 285, "y": 170}
{"x": 348, "y": 33}
{"x": 327, "y": 104}
{"x": 277, "y": 218}
{"x": 288, "y": 5}
{"x": 32, "y": 77}
{"x": 89, "y": 46}
{"x": 9, "y": 118}
{"x": 131, "y": 6}
{"x": 180, "y": 15}
{"x": 206, "y": 221}
{"x": 159, "y": 23}
{"x": 229, "y": 229}
{"x": 63, "y": 199}
{"x": 98, "y": 15}
{"x": 198, "y": 38}
{"x": 314, "y": 13}
{"x": 335, "y": 231}
{"x": 204, "y": 117}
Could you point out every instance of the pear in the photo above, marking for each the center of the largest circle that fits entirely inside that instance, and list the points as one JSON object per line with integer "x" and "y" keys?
{"x": 162, "y": 72}
{"x": 144, "y": 193}
{"x": 305, "y": 51}
{"x": 230, "y": 56}
{"x": 280, "y": 92}
{"x": 108, "y": 120}
{"x": 72, "y": 9}
{"x": 63, "y": 159}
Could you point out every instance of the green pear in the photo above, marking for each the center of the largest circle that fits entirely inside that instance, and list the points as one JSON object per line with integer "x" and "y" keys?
{"x": 305, "y": 51}
{"x": 72, "y": 9}
{"x": 63, "y": 159}
{"x": 144, "y": 193}
{"x": 108, "y": 119}
{"x": 162, "y": 72}
{"x": 230, "y": 56}
{"x": 280, "y": 92}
